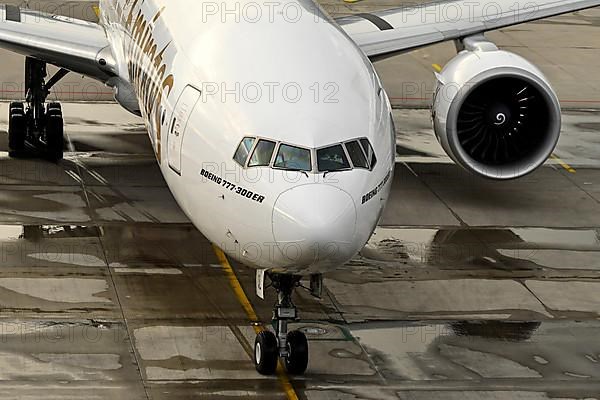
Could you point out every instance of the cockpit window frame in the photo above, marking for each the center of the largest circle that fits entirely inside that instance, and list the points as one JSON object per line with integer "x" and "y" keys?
{"x": 313, "y": 154}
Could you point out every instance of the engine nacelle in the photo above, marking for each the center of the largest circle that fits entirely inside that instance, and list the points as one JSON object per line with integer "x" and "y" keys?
{"x": 494, "y": 112}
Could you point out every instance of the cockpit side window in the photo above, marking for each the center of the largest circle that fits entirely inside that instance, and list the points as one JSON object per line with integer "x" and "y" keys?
{"x": 243, "y": 150}
{"x": 369, "y": 152}
{"x": 356, "y": 154}
{"x": 293, "y": 158}
{"x": 332, "y": 158}
{"x": 261, "y": 157}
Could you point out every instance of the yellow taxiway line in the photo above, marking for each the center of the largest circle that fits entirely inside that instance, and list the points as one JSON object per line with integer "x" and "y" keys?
{"x": 238, "y": 290}
{"x": 563, "y": 164}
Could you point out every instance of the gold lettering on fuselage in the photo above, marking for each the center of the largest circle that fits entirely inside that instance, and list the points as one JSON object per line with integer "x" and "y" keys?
{"x": 147, "y": 68}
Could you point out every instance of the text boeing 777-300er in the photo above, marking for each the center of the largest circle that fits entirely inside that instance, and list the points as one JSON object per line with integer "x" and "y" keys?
{"x": 270, "y": 124}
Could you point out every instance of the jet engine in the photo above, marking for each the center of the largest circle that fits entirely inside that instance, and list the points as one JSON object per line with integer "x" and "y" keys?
{"x": 494, "y": 112}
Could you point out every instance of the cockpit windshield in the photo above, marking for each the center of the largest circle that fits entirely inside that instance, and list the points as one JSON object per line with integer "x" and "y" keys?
{"x": 261, "y": 156}
{"x": 332, "y": 158}
{"x": 293, "y": 158}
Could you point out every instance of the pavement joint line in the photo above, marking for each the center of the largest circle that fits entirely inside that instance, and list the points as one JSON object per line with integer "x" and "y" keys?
{"x": 456, "y": 216}
{"x": 239, "y": 292}
{"x": 563, "y": 164}
{"x": 128, "y": 328}
{"x": 523, "y": 282}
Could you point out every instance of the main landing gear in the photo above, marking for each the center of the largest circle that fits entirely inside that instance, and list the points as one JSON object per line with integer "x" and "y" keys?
{"x": 36, "y": 127}
{"x": 291, "y": 347}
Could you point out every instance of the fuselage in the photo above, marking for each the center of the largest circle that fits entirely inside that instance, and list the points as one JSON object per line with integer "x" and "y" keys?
{"x": 258, "y": 115}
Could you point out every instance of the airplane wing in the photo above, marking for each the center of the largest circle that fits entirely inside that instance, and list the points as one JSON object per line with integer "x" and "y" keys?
{"x": 73, "y": 44}
{"x": 386, "y": 33}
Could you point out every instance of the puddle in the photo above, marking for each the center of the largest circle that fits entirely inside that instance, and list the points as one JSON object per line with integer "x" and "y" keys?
{"x": 62, "y": 290}
{"x": 51, "y": 245}
{"x": 469, "y": 350}
{"x": 506, "y": 330}
{"x": 516, "y": 249}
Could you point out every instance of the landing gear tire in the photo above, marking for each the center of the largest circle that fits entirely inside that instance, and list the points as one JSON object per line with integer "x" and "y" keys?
{"x": 17, "y": 129}
{"x": 292, "y": 347}
{"x": 265, "y": 353}
{"x": 297, "y": 357}
{"x": 36, "y": 129}
{"x": 54, "y": 132}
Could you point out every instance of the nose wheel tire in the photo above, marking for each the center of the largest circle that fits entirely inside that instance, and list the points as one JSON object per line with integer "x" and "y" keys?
{"x": 291, "y": 347}
{"x": 265, "y": 353}
{"x": 297, "y": 357}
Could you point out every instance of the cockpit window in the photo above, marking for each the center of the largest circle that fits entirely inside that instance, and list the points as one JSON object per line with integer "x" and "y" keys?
{"x": 260, "y": 152}
{"x": 261, "y": 157}
{"x": 243, "y": 150}
{"x": 356, "y": 154}
{"x": 293, "y": 158}
{"x": 332, "y": 158}
{"x": 369, "y": 152}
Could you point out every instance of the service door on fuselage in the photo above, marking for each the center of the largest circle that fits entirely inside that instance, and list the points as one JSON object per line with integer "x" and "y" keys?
{"x": 179, "y": 120}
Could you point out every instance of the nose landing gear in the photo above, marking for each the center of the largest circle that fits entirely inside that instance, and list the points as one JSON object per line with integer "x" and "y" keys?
{"x": 291, "y": 347}
{"x": 37, "y": 128}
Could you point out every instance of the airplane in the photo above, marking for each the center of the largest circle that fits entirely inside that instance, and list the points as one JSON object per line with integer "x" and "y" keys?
{"x": 271, "y": 126}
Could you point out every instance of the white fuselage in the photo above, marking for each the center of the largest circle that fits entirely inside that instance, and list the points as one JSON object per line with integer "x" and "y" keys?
{"x": 206, "y": 75}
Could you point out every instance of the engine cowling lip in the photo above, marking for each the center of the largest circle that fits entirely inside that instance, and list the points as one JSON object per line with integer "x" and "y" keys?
{"x": 476, "y": 167}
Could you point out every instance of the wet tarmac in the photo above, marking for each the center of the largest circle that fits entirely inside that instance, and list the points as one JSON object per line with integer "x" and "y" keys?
{"x": 470, "y": 289}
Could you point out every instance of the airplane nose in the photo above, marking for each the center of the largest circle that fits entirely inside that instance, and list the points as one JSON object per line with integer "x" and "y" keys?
{"x": 315, "y": 224}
